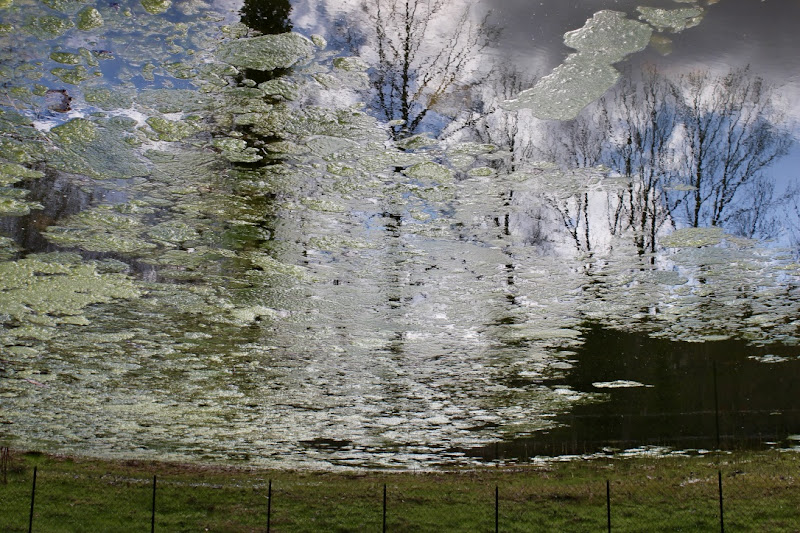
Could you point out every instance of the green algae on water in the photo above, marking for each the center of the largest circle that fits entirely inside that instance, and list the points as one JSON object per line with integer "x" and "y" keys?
{"x": 75, "y": 131}
{"x": 8, "y": 248}
{"x": 67, "y": 58}
{"x": 673, "y": 20}
{"x": 661, "y": 44}
{"x": 574, "y": 84}
{"x": 237, "y": 151}
{"x": 63, "y": 5}
{"x": 48, "y": 26}
{"x": 174, "y": 232}
{"x": 73, "y": 76}
{"x": 429, "y": 171}
{"x": 266, "y": 52}
{"x": 175, "y": 100}
{"x": 416, "y": 142}
{"x": 51, "y": 287}
{"x": 11, "y": 173}
{"x": 107, "y": 99}
{"x": 99, "y": 148}
{"x": 89, "y": 19}
{"x": 607, "y": 38}
{"x": 350, "y": 64}
{"x": 13, "y": 202}
{"x": 481, "y": 172}
{"x": 156, "y": 7}
{"x": 171, "y": 130}
{"x": 101, "y": 229}
{"x": 280, "y": 87}
{"x": 693, "y": 237}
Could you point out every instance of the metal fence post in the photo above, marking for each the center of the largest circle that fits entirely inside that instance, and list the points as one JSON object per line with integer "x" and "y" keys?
{"x": 33, "y": 497}
{"x": 496, "y": 509}
{"x": 269, "y": 505}
{"x": 721, "y": 514}
{"x": 153, "y": 508}
{"x": 716, "y": 403}
{"x": 5, "y": 458}
{"x": 608, "y": 504}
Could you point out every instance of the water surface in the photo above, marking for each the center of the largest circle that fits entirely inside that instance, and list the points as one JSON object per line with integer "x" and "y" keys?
{"x": 284, "y": 234}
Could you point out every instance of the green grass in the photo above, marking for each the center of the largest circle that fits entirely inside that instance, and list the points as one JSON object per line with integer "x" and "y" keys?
{"x": 761, "y": 492}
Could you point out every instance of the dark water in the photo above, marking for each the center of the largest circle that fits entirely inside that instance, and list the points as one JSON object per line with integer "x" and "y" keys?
{"x": 717, "y": 395}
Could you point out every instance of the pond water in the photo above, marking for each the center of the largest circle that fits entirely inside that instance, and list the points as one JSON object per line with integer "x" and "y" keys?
{"x": 397, "y": 233}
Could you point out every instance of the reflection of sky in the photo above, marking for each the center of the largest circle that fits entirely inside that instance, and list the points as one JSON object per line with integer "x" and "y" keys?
{"x": 732, "y": 34}
{"x": 420, "y": 329}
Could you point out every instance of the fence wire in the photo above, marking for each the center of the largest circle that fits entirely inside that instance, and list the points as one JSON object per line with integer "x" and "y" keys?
{"x": 623, "y": 495}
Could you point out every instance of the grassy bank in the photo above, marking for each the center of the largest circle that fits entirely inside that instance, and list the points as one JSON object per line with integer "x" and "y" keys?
{"x": 761, "y": 492}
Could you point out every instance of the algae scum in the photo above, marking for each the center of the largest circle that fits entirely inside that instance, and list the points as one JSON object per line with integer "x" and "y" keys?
{"x": 211, "y": 249}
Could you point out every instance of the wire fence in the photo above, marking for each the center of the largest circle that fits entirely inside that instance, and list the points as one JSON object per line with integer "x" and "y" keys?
{"x": 714, "y": 491}
{"x": 694, "y": 494}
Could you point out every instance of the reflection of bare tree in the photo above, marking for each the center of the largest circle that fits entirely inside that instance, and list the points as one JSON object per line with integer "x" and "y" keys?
{"x": 694, "y": 149}
{"x": 498, "y": 126}
{"x": 757, "y": 217}
{"x": 410, "y": 80}
{"x": 573, "y": 212}
{"x": 644, "y": 118}
{"x": 791, "y": 212}
{"x": 501, "y": 128}
{"x": 577, "y": 144}
{"x": 730, "y": 138}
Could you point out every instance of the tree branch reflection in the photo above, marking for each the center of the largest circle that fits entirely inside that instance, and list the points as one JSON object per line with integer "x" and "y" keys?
{"x": 693, "y": 151}
{"x": 411, "y": 78}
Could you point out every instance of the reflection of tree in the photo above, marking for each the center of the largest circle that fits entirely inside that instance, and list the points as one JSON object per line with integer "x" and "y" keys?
{"x": 410, "y": 80}
{"x": 574, "y": 215}
{"x": 792, "y": 213}
{"x": 501, "y": 127}
{"x": 577, "y": 144}
{"x": 730, "y": 138}
{"x": 693, "y": 150}
{"x": 644, "y": 119}
{"x": 757, "y": 217}
{"x": 267, "y": 16}
{"x": 60, "y": 198}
